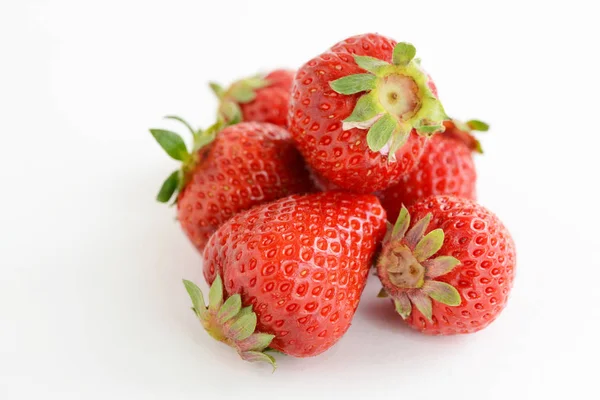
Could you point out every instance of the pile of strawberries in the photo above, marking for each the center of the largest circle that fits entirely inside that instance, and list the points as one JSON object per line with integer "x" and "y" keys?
{"x": 288, "y": 197}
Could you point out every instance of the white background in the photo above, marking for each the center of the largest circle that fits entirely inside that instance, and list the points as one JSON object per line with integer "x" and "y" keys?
{"x": 91, "y": 300}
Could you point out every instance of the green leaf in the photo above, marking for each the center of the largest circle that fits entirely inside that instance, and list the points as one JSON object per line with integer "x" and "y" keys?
{"x": 217, "y": 89}
{"x": 429, "y": 245}
{"x": 477, "y": 125}
{"x": 183, "y": 121}
{"x": 422, "y": 302}
{"x": 230, "y": 112}
{"x": 442, "y": 292}
{"x": 370, "y": 64}
{"x": 402, "y": 224}
{"x": 256, "y": 356}
{"x": 215, "y": 295}
{"x": 429, "y": 129}
{"x": 398, "y": 140}
{"x": 244, "y": 311}
{"x": 439, "y": 266}
{"x": 242, "y": 92}
{"x": 403, "y": 53}
{"x": 168, "y": 187}
{"x": 381, "y": 132}
{"x": 243, "y": 327}
{"x": 414, "y": 235}
{"x": 365, "y": 113}
{"x": 256, "y": 82}
{"x": 197, "y": 298}
{"x": 230, "y": 308}
{"x": 403, "y": 306}
{"x": 352, "y": 84}
{"x": 256, "y": 342}
{"x": 172, "y": 143}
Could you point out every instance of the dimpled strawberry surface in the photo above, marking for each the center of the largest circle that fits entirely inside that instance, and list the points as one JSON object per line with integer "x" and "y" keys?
{"x": 301, "y": 262}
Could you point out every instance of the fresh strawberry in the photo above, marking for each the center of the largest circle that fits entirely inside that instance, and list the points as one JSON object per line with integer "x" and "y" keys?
{"x": 446, "y": 167}
{"x": 244, "y": 165}
{"x": 301, "y": 263}
{"x": 466, "y": 285}
{"x": 259, "y": 99}
{"x": 360, "y": 112}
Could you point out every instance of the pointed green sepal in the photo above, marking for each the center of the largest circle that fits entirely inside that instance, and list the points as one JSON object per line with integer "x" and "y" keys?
{"x": 429, "y": 245}
{"x": 229, "y": 323}
{"x": 476, "y": 125}
{"x": 440, "y": 266}
{"x": 402, "y": 224}
{"x": 380, "y": 133}
{"x": 215, "y": 294}
{"x": 168, "y": 187}
{"x": 414, "y": 235}
{"x": 197, "y": 298}
{"x": 403, "y": 53}
{"x": 370, "y": 64}
{"x": 352, "y": 84}
{"x": 422, "y": 302}
{"x": 171, "y": 143}
{"x": 365, "y": 113}
{"x": 256, "y": 356}
{"x": 217, "y": 89}
{"x": 403, "y": 306}
{"x": 442, "y": 292}
{"x": 229, "y": 309}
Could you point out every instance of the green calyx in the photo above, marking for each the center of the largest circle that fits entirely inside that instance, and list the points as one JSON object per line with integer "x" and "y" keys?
{"x": 463, "y": 131}
{"x": 398, "y": 99}
{"x": 176, "y": 148}
{"x": 228, "y": 322}
{"x": 408, "y": 271}
{"x": 240, "y": 92}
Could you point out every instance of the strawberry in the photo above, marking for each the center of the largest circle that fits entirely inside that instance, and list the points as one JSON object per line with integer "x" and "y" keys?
{"x": 452, "y": 271}
{"x": 446, "y": 167}
{"x": 301, "y": 263}
{"x": 244, "y": 165}
{"x": 259, "y": 99}
{"x": 360, "y": 112}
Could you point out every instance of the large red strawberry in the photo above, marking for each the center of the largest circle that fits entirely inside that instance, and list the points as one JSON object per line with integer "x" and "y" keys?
{"x": 301, "y": 263}
{"x": 258, "y": 98}
{"x": 244, "y": 165}
{"x": 452, "y": 271}
{"x": 446, "y": 167}
{"x": 361, "y": 111}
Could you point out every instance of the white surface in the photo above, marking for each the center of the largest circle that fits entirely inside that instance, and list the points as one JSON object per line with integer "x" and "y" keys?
{"x": 91, "y": 300}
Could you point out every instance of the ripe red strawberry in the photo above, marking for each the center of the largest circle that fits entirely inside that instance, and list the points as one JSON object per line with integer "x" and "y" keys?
{"x": 446, "y": 167}
{"x": 466, "y": 285}
{"x": 246, "y": 164}
{"x": 259, "y": 99}
{"x": 301, "y": 263}
{"x": 353, "y": 110}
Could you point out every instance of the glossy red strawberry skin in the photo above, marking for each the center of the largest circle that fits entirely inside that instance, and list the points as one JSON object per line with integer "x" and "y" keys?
{"x": 301, "y": 262}
{"x": 271, "y": 102}
{"x": 315, "y": 120}
{"x": 445, "y": 168}
{"x": 248, "y": 164}
{"x": 484, "y": 278}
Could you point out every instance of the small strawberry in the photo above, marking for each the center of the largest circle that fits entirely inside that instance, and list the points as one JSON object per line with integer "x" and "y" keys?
{"x": 360, "y": 112}
{"x": 452, "y": 271}
{"x": 446, "y": 167}
{"x": 301, "y": 263}
{"x": 259, "y": 99}
{"x": 244, "y": 165}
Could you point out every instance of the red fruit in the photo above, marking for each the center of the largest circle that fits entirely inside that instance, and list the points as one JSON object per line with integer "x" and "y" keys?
{"x": 466, "y": 285}
{"x": 446, "y": 167}
{"x": 259, "y": 99}
{"x": 363, "y": 141}
{"x": 301, "y": 263}
{"x": 247, "y": 164}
